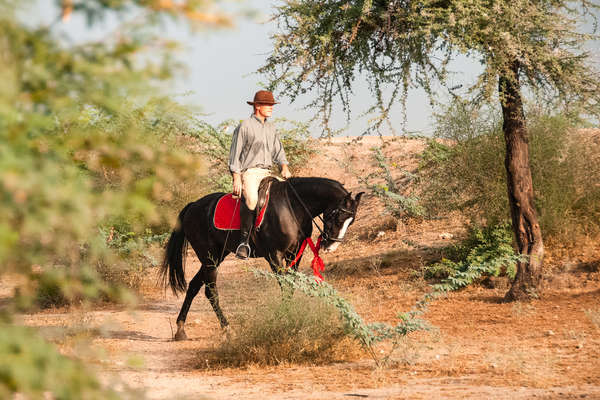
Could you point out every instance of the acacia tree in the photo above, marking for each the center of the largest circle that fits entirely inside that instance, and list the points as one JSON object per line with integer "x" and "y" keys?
{"x": 534, "y": 45}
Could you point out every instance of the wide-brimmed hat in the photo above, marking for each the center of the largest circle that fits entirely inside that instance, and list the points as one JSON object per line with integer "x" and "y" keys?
{"x": 263, "y": 97}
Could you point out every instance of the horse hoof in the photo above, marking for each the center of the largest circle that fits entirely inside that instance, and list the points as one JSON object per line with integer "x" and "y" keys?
{"x": 227, "y": 333}
{"x": 180, "y": 335}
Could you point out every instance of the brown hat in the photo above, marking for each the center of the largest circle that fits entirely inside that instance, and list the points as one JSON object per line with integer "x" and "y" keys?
{"x": 263, "y": 97}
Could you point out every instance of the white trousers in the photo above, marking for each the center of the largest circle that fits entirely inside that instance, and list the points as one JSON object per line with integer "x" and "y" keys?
{"x": 250, "y": 181}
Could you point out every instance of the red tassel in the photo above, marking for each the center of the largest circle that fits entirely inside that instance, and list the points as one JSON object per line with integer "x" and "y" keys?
{"x": 317, "y": 263}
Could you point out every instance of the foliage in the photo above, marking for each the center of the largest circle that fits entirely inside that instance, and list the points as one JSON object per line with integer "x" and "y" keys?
{"x": 487, "y": 252}
{"x": 295, "y": 137}
{"x": 133, "y": 255}
{"x": 480, "y": 254}
{"x": 396, "y": 203}
{"x": 60, "y": 286}
{"x": 290, "y": 329}
{"x": 323, "y": 47}
{"x": 34, "y": 368}
{"x": 74, "y": 151}
{"x": 84, "y": 141}
{"x": 60, "y": 187}
{"x": 132, "y": 259}
{"x": 464, "y": 171}
{"x": 465, "y": 274}
{"x": 214, "y": 143}
{"x": 368, "y": 335}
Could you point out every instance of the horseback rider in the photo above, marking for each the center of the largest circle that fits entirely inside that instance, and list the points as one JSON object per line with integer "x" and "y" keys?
{"x": 254, "y": 147}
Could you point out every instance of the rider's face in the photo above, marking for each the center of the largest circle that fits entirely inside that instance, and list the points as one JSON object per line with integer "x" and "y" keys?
{"x": 264, "y": 110}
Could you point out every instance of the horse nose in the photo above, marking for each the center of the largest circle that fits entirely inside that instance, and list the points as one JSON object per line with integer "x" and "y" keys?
{"x": 332, "y": 247}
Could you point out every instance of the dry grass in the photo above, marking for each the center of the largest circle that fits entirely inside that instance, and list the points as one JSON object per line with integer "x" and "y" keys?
{"x": 282, "y": 330}
{"x": 533, "y": 368}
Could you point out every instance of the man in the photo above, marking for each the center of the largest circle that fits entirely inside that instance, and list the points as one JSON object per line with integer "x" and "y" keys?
{"x": 254, "y": 147}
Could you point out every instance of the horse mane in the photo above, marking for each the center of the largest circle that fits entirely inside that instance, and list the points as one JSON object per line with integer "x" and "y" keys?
{"x": 316, "y": 180}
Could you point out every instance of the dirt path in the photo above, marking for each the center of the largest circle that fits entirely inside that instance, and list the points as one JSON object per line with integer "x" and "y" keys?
{"x": 483, "y": 349}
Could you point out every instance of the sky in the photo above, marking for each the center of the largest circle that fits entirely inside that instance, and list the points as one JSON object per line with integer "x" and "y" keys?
{"x": 220, "y": 71}
{"x": 222, "y": 78}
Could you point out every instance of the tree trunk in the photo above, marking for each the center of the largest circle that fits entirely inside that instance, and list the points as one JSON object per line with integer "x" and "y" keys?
{"x": 520, "y": 189}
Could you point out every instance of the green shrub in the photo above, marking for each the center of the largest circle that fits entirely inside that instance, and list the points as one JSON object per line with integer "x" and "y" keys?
{"x": 296, "y": 140}
{"x": 397, "y": 202}
{"x": 482, "y": 254}
{"x": 34, "y": 368}
{"x": 61, "y": 286}
{"x": 134, "y": 254}
{"x": 466, "y": 172}
{"x": 84, "y": 139}
{"x": 51, "y": 290}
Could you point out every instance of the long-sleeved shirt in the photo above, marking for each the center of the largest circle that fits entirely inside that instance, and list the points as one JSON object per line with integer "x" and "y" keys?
{"x": 255, "y": 144}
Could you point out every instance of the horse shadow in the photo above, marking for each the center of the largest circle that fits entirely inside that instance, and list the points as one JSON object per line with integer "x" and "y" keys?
{"x": 131, "y": 335}
{"x": 390, "y": 262}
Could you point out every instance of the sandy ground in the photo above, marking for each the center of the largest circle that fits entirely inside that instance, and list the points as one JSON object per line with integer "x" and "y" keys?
{"x": 481, "y": 348}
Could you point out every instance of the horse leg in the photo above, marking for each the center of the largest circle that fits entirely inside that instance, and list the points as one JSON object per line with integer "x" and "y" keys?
{"x": 193, "y": 288}
{"x": 210, "y": 280}
{"x": 278, "y": 265}
{"x": 277, "y": 262}
{"x": 291, "y": 258}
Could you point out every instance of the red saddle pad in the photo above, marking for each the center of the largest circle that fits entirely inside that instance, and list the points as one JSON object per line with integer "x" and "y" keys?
{"x": 227, "y": 213}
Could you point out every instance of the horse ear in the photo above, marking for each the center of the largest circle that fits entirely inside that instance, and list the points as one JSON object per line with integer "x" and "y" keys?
{"x": 357, "y": 198}
{"x": 348, "y": 200}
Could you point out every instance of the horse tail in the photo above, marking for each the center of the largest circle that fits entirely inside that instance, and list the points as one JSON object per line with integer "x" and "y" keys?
{"x": 173, "y": 267}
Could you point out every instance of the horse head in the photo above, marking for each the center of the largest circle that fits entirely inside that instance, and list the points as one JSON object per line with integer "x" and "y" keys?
{"x": 336, "y": 221}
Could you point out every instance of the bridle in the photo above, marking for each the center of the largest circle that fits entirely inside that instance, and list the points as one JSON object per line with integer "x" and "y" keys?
{"x": 324, "y": 234}
{"x": 317, "y": 263}
{"x": 332, "y": 214}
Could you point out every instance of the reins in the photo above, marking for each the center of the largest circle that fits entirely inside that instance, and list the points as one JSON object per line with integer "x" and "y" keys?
{"x": 323, "y": 234}
{"x": 317, "y": 263}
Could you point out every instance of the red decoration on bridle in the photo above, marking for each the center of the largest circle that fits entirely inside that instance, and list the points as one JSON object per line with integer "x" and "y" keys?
{"x": 317, "y": 263}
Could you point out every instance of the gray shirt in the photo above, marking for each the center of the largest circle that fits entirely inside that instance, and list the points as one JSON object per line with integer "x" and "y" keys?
{"x": 255, "y": 144}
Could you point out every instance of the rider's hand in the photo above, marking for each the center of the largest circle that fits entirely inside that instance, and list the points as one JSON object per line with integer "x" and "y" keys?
{"x": 237, "y": 184}
{"x": 285, "y": 171}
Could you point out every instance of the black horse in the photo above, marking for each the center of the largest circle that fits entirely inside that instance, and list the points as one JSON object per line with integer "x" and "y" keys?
{"x": 286, "y": 224}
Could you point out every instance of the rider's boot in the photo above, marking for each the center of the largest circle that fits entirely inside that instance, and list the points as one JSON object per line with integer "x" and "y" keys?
{"x": 246, "y": 222}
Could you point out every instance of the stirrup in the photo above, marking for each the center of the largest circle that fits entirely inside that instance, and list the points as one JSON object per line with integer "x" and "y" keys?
{"x": 243, "y": 251}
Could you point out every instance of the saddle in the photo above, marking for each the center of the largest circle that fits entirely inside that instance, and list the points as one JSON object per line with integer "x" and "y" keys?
{"x": 227, "y": 211}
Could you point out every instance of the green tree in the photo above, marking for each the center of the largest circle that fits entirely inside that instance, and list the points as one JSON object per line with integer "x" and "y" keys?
{"x": 85, "y": 138}
{"x": 534, "y": 45}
